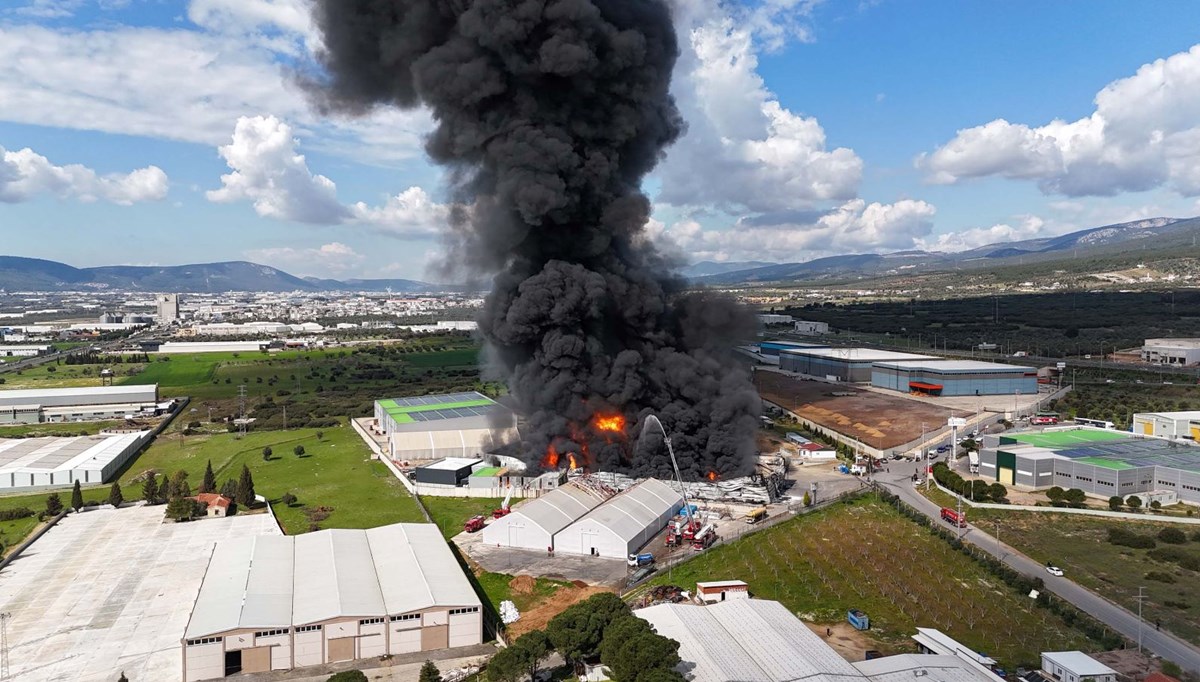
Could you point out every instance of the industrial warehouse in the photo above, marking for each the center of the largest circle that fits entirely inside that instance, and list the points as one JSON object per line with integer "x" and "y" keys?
{"x": 32, "y": 406}
{"x": 575, "y": 519}
{"x": 457, "y": 425}
{"x": 1182, "y": 425}
{"x": 1100, "y": 462}
{"x": 27, "y": 463}
{"x": 281, "y": 602}
{"x": 905, "y": 372}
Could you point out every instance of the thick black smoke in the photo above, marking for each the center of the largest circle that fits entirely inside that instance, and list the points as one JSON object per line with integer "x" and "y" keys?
{"x": 549, "y": 115}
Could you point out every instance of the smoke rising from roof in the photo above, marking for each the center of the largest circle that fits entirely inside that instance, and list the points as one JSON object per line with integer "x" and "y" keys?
{"x": 549, "y": 114}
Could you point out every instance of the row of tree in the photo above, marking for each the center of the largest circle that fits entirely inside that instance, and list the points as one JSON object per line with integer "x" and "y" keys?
{"x": 601, "y": 627}
{"x": 977, "y": 490}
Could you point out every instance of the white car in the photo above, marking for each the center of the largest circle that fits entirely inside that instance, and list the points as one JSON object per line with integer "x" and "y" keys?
{"x": 1054, "y": 571}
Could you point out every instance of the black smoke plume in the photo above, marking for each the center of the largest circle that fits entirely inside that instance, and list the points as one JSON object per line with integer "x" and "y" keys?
{"x": 549, "y": 114}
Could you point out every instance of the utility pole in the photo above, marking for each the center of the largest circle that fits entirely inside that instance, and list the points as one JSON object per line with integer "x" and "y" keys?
{"x": 4, "y": 618}
{"x": 999, "y": 552}
{"x": 285, "y": 417}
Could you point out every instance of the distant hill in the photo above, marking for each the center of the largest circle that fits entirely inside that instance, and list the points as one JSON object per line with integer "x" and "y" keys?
{"x": 705, "y": 268}
{"x": 33, "y": 274}
{"x": 1152, "y": 233}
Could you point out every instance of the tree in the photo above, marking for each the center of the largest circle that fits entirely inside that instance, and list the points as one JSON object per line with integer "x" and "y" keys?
{"x": 299, "y": 450}
{"x": 1172, "y": 536}
{"x": 115, "y": 497}
{"x": 178, "y": 486}
{"x": 76, "y": 497}
{"x": 1055, "y": 493}
{"x": 1115, "y": 502}
{"x": 632, "y": 649}
{"x": 997, "y": 492}
{"x": 288, "y": 499}
{"x": 807, "y": 501}
{"x": 320, "y": 435}
{"x": 150, "y": 488}
{"x": 430, "y": 673}
{"x": 122, "y": 678}
{"x": 532, "y": 648}
{"x": 1133, "y": 502}
{"x": 505, "y": 666}
{"x": 348, "y": 676}
{"x": 181, "y": 509}
{"x": 980, "y": 490}
{"x": 229, "y": 489}
{"x": 1075, "y": 497}
{"x": 245, "y": 489}
{"x": 209, "y": 483}
{"x": 1156, "y": 505}
{"x": 267, "y": 452}
{"x": 53, "y": 505}
{"x": 577, "y": 632}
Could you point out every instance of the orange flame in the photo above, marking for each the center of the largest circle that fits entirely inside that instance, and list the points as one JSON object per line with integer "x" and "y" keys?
{"x": 571, "y": 459}
{"x": 712, "y": 476}
{"x": 614, "y": 422}
{"x": 550, "y": 461}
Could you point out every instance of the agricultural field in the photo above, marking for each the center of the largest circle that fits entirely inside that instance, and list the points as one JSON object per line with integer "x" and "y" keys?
{"x": 1080, "y": 546}
{"x": 864, "y": 555}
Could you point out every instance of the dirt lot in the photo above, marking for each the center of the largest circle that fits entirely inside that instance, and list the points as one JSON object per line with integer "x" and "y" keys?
{"x": 877, "y": 420}
{"x": 849, "y": 643}
{"x": 539, "y": 616}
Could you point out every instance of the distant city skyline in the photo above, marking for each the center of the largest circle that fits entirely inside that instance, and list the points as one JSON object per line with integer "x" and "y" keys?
{"x": 169, "y": 132}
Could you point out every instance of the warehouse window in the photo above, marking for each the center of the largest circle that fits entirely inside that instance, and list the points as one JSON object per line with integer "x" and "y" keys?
{"x": 203, "y": 640}
{"x": 308, "y": 628}
{"x": 271, "y": 633}
{"x": 370, "y": 621}
{"x": 407, "y": 616}
{"x": 470, "y": 609}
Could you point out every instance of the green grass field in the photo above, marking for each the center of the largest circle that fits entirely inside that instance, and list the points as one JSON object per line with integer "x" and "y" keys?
{"x": 71, "y": 429}
{"x": 865, "y": 555}
{"x": 450, "y": 513}
{"x": 1080, "y": 546}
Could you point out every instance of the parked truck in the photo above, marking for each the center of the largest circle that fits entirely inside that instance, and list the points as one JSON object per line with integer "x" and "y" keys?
{"x": 705, "y": 538}
{"x": 640, "y": 559}
{"x": 474, "y": 524}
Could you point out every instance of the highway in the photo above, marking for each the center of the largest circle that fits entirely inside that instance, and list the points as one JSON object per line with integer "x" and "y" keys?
{"x": 1161, "y": 643}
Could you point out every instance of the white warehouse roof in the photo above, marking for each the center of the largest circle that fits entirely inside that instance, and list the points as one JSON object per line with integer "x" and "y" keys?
{"x": 90, "y": 395}
{"x": 635, "y": 514}
{"x": 955, "y": 366}
{"x": 929, "y": 668}
{"x": 277, "y": 582}
{"x": 1079, "y": 663}
{"x": 549, "y": 514}
{"x": 855, "y": 354}
{"x": 747, "y": 640}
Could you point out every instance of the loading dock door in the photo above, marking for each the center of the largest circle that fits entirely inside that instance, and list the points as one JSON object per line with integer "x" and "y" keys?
{"x": 341, "y": 649}
{"x": 256, "y": 660}
{"x": 233, "y": 662}
{"x": 435, "y": 637}
{"x": 1006, "y": 475}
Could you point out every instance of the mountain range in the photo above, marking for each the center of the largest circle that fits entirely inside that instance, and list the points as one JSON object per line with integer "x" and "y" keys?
{"x": 33, "y": 274}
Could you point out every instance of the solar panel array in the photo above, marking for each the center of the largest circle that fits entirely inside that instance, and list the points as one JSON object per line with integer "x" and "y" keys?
{"x": 1142, "y": 453}
{"x": 422, "y": 400}
{"x": 452, "y": 413}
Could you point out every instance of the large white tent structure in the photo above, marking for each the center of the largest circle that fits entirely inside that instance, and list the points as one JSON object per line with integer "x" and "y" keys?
{"x": 624, "y": 523}
{"x": 534, "y": 523}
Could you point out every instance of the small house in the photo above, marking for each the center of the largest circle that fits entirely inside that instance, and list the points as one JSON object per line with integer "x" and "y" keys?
{"x": 722, "y": 590}
{"x": 218, "y": 505}
{"x": 1076, "y": 666}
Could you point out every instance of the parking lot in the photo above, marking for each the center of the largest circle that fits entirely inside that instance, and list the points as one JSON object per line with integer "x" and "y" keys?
{"x": 110, "y": 590}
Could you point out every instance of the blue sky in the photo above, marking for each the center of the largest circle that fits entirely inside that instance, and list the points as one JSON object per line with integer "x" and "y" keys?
{"x": 815, "y": 128}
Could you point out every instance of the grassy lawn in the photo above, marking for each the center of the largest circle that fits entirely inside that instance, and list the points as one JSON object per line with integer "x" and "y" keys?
{"x": 450, "y": 513}
{"x": 71, "y": 429}
{"x": 865, "y": 555}
{"x": 1080, "y": 546}
{"x": 462, "y": 357}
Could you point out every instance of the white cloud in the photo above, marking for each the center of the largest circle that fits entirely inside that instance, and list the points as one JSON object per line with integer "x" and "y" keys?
{"x": 334, "y": 258}
{"x": 853, "y": 226}
{"x": 1029, "y": 227}
{"x": 25, "y": 174}
{"x": 744, "y": 151}
{"x": 268, "y": 171}
{"x": 284, "y": 25}
{"x": 1144, "y": 133}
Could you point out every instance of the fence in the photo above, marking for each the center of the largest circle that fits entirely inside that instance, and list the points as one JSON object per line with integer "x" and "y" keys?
{"x": 1072, "y": 510}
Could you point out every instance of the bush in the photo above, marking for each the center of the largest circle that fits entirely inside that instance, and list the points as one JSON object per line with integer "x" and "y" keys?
{"x": 1127, "y": 538}
{"x": 14, "y": 514}
{"x": 1115, "y": 503}
{"x": 1181, "y": 605}
{"x": 1172, "y": 536}
{"x": 348, "y": 676}
{"x": 1160, "y": 576}
{"x": 1175, "y": 555}
{"x": 288, "y": 499}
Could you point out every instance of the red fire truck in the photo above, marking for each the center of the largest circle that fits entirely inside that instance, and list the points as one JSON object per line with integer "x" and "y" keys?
{"x": 954, "y": 518}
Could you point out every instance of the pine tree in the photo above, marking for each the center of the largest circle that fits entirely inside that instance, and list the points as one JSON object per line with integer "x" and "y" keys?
{"x": 115, "y": 497}
{"x": 178, "y": 486}
{"x": 245, "y": 488}
{"x": 209, "y": 484}
{"x": 229, "y": 489}
{"x": 53, "y": 504}
{"x": 122, "y": 678}
{"x": 76, "y": 497}
{"x": 430, "y": 672}
{"x": 150, "y": 488}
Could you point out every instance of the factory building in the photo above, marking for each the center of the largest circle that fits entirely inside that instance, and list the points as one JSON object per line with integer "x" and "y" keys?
{"x": 1171, "y": 351}
{"x": 534, "y": 523}
{"x": 852, "y": 365}
{"x": 768, "y": 319}
{"x": 166, "y": 308}
{"x": 1100, "y": 462}
{"x": 23, "y": 351}
{"x": 1184, "y": 425}
{"x": 282, "y": 602}
{"x": 427, "y": 427}
{"x": 774, "y": 348}
{"x": 30, "y": 463}
{"x": 935, "y": 376}
{"x": 451, "y": 471}
{"x": 31, "y": 406}
{"x": 811, "y": 328}
{"x": 623, "y": 524}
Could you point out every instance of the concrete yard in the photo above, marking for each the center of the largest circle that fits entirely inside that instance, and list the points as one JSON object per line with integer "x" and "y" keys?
{"x": 111, "y": 590}
{"x": 596, "y": 571}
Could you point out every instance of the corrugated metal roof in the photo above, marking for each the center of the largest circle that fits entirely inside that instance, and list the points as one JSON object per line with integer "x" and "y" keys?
{"x": 101, "y": 394}
{"x": 556, "y": 509}
{"x": 274, "y": 582}
{"x": 749, "y": 640}
{"x": 636, "y": 509}
{"x": 1078, "y": 662}
{"x": 929, "y": 668}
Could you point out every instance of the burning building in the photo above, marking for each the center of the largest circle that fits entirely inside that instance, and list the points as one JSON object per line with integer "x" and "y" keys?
{"x": 549, "y": 114}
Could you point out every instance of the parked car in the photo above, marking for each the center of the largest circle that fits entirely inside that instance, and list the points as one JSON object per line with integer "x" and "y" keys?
{"x": 1054, "y": 571}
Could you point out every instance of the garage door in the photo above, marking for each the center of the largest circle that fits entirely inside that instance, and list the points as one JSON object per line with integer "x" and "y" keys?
{"x": 1148, "y": 428}
{"x": 1006, "y": 475}
{"x": 435, "y": 637}
{"x": 256, "y": 660}
{"x": 341, "y": 649}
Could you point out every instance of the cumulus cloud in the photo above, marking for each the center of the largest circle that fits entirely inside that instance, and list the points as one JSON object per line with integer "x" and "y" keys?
{"x": 333, "y": 258}
{"x": 268, "y": 171}
{"x": 1027, "y": 227}
{"x": 797, "y": 236}
{"x": 25, "y": 174}
{"x": 744, "y": 151}
{"x": 1144, "y": 133}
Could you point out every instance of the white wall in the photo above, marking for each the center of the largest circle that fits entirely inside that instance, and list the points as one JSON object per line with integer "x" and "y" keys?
{"x": 466, "y": 629}
{"x": 204, "y": 662}
{"x": 582, "y": 536}
{"x": 518, "y": 532}
{"x": 310, "y": 648}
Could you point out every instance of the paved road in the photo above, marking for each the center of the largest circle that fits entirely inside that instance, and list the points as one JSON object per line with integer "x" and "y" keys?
{"x": 1161, "y": 643}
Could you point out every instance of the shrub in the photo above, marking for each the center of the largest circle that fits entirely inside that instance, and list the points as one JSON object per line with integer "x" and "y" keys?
{"x": 14, "y": 514}
{"x": 1181, "y": 605}
{"x": 1127, "y": 538}
{"x": 1115, "y": 503}
{"x": 1172, "y": 536}
{"x": 1160, "y": 576}
{"x": 348, "y": 676}
{"x": 1175, "y": 555}
{"x": 288, "y": 499}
